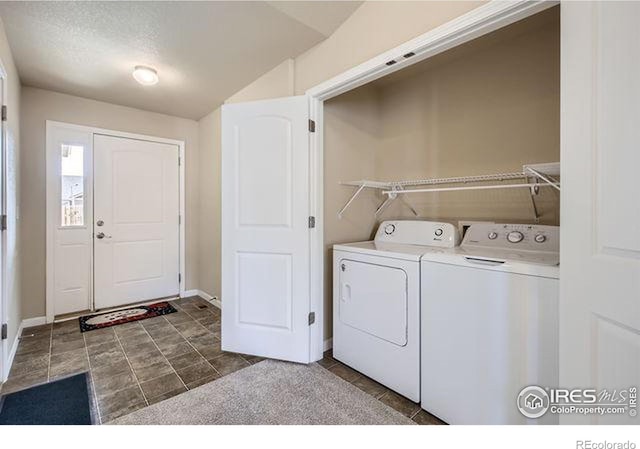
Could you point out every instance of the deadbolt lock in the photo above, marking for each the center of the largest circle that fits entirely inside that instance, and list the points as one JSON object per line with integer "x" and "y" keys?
{"x": 100, "y": 223}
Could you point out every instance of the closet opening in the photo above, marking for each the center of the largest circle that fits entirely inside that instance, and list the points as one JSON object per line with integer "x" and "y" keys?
{"x": 484, "y": 108}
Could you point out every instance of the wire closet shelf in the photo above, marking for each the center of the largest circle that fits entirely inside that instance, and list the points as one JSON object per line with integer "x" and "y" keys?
{"x": 534, "y": 177}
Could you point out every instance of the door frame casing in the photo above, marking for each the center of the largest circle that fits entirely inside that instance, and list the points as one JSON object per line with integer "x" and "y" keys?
{"x": 476, "y": 23}
{"x": 52, "y": 202}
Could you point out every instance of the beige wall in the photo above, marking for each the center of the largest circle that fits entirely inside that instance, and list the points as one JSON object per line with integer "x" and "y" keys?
{"x": 14, "y": 157}
{"x": 372, "y": 29}
{"x": 489, "y": 106}
{"x": 209, "y": 258}
{"x": 353, "y": 133}
{"x": 278, "y": 82}
{"x": 40, "y": 105}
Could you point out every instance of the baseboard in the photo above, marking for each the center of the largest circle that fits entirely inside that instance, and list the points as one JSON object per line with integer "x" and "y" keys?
{"x": 12, "y": 353}
{"x": 195, "y": 292}
{"x": 29, "y": 322}
{"x": 37, "y": 321}
{"x": 188, "y": 293}
{"x": 204, "y": 295}
{"x": 212, "y": 299}
{"x": 328, "y": 344}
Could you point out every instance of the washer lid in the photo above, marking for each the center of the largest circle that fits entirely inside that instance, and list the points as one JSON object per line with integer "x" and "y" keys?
{"x": 542, "y": 265}
{"x": 391, "y": 250}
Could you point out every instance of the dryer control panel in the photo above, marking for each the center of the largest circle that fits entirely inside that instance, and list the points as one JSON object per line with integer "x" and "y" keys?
{"x": 521, "y": 237}
{"x": 417, "y": 232}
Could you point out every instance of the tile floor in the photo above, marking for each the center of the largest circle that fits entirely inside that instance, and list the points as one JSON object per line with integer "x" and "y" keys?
{"x": 140, "y": 363}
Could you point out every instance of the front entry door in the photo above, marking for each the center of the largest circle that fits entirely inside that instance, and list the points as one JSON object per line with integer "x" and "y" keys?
{"x": 136, "y": 220}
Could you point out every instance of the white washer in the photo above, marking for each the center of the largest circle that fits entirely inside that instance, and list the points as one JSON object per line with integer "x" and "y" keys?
{"x": 490, "y": 323}
{"x": 376, "y": 301}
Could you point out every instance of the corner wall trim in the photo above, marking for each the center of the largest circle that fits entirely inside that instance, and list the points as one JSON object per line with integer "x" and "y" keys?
{"x": 328, "y": 344}
{"x": 29, "y": 322}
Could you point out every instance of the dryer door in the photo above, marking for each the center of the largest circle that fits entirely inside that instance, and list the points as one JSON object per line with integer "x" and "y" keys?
{"x": 373, "y": 299}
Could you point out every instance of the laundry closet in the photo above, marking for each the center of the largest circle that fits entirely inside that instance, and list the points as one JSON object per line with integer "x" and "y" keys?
{"x": 461, "y": 147}
{"x": 488, "y": 106}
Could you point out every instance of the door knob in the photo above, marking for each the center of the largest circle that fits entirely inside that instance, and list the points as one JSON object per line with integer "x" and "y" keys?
{"x": 101, "y": 235}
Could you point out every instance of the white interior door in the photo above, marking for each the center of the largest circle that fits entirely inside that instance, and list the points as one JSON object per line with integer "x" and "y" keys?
{"x": 265, "y": 233}
{"x": 136, "y": 220}
{"x": 600, "y": 233}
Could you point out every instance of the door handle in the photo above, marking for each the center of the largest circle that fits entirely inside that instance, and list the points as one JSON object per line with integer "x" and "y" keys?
{"x": 346, "y": 292}
{"x": 102, "y": 235}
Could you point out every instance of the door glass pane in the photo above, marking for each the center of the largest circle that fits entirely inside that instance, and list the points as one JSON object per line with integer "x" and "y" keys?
{"x": 72, "y": 201}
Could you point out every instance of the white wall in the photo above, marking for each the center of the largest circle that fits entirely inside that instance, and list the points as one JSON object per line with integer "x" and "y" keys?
{"x": 39, "y": 105}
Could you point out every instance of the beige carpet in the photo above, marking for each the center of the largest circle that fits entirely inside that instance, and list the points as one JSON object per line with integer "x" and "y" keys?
{"x": 271, "y": 392}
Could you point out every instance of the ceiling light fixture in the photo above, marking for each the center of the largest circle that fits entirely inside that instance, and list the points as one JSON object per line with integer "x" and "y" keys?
{"x": 145, "y": 75}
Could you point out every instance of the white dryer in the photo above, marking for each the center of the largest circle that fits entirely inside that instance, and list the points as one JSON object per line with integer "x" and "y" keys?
{"x": 376, "y": 301}
{"x": 490, "y": 323}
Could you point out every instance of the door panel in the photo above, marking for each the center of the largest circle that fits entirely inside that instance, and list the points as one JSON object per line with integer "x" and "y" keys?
{"x": 600, "y": 242}
{"x": 265, "y": 276}
{"x": 137, "y": 199}
{"x": 269, "y": 205}
{"x": 265, "y": 244}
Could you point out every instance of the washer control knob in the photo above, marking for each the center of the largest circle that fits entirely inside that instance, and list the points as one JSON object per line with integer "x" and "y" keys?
{"x": 438, "y": 232}
{"x": 540, "y": 238}
{"x": 493, "y": 235}
{"x": 515, "y": 236}
{"x": 389, "y": 229}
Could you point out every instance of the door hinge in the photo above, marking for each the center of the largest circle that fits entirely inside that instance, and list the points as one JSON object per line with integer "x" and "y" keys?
{"x": 179, "y": 219}
{"x": 179, "y": 278}
{"x": 312, "y": 318}
{"x": 4, "y": 332}
{"x": 179, "y": 161}
{"x": 3, "y": 222}
{"x": 312, "y": 126}
{"x": 4, "y": 112}
{"x": 312, "y": 222}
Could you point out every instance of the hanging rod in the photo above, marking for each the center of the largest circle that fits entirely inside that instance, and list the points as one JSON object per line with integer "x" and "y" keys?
{"x": 453, "y": 189}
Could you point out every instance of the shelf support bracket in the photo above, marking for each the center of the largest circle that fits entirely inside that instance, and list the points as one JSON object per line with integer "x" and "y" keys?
{"x": 533, "y": 191}
{"x": 353, "y": 197}
{"x": 546, "y": 178}
{"x": 384, "y": 205}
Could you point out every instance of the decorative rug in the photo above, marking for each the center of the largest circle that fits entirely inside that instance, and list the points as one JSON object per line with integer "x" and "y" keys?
{"x": 271, "y": 392}
{"x": 101, "y": 320}
{"x": 63, "y": 402}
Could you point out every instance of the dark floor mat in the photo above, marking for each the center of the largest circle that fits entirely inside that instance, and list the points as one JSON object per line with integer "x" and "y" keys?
{"x": 122, "y": 316}
{"x": 63, "y": 402}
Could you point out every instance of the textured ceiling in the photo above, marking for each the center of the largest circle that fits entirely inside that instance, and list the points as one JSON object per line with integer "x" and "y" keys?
{"x": 203, "y": 51}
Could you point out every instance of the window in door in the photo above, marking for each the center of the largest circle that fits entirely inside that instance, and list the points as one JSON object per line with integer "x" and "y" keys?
{"x": 72, "y": 187}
